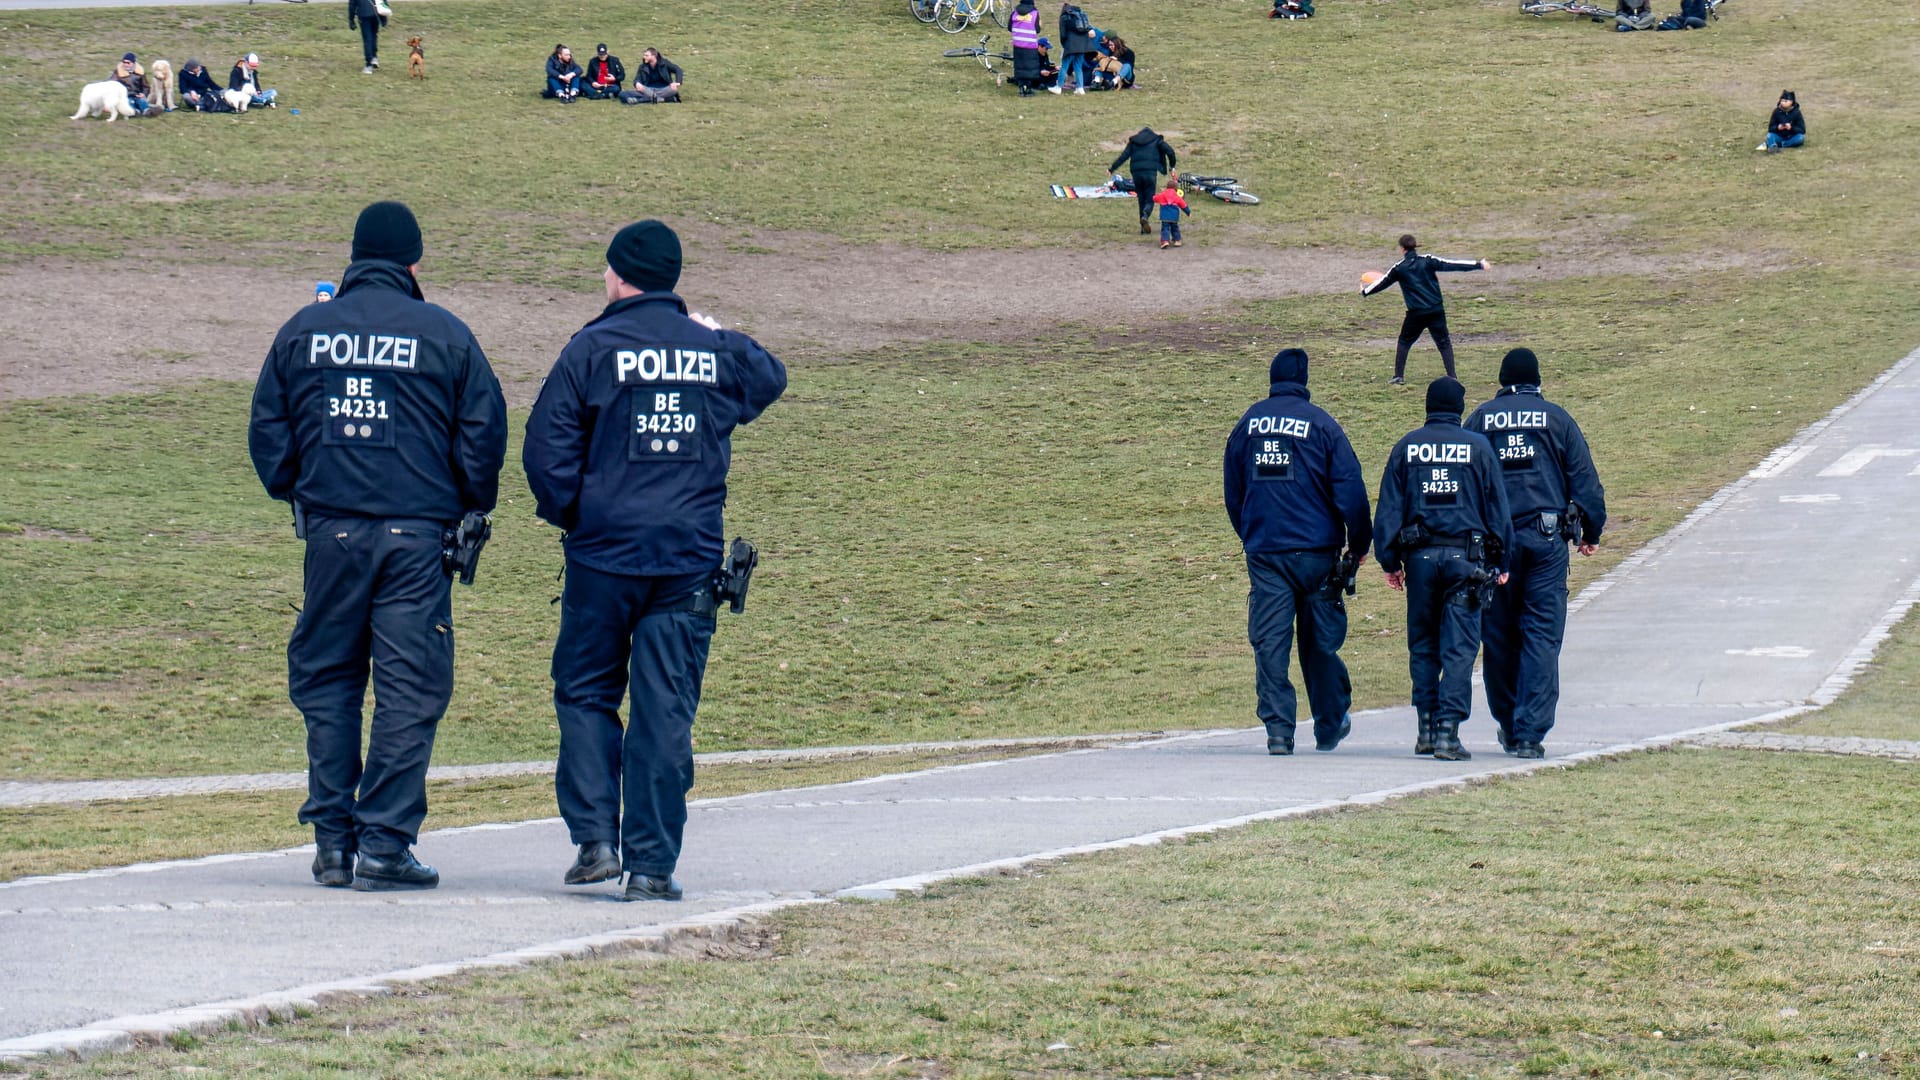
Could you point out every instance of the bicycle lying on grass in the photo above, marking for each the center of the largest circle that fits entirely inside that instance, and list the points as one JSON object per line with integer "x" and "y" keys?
{"x": 1224, "y": 188}
{"x": 982, "y": 53}
{"x": 1540, "y": 9}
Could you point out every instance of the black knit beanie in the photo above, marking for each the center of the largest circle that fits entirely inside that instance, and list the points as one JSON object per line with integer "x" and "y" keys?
{"x": 387, "y": 230}
{"x": 1520, "y": 368}
{"x": 1444, "y": 395}
{"x": 1289, "y": 365}
{"x": 646, "y": 255}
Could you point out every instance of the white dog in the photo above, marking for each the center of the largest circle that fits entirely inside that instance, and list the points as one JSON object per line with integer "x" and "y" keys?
{"x": 238, "y": 100}
{"x": 161, "y": 81}
{"x": 108, "y": 98}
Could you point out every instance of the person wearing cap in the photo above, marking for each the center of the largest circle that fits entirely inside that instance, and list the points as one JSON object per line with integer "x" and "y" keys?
{"x": 1296, "y": 497}
{"x": 130, "y": 74}
{"x": 323, "y": 292}
{"x": 1554, "y": 496}
{"x": 627, "y": 450}
{"x": 365, "y": 15}
{"x": 1786, "y": 128}
{"x": 378, "y": 417}
{"x": 1426, "y": 310}
{"x": 245, "y": 77}
{"x": 1442, "y": 534}
{"x": 198, "y": 89}
{"x": 605, "y": 75}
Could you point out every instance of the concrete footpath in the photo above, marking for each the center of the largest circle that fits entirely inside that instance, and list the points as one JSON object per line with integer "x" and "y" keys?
{"x": 1762, "y": 603}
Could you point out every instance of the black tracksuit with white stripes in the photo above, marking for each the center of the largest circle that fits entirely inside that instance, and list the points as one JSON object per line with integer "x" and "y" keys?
{"x": 1416, "y": 274}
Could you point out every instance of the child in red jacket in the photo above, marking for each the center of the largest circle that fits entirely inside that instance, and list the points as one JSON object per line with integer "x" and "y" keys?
{"x": 1171, "y": 205}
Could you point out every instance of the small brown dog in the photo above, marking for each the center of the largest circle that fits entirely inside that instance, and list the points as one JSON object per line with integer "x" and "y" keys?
{"x": 416, "y": 59}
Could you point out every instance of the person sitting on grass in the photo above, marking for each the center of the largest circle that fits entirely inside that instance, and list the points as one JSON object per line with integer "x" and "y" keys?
{"x": 1291, "y": 9}
{"x": 1786, "y": 129}
{"x": 563, "y": 75}
{"x": 657, "y": 79}
{"x": 245, "y": 78}
{"x": 130, "y": 74}
{"x": 1692, "y": 16}
{"x": 605, "y": 75}
{"x": 1631, "y": 15}
{"x": 198, "y": 89}
{"x": 1049, "y": 71}
{"x": 1113, "y": 66}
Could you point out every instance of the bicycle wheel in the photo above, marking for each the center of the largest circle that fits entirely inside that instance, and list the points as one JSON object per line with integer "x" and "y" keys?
{"x": 1002, "y": 13}
{"x": 957, "y": 53}
{"x": 1207, "y": 181}
{"x": 922, "y": 9}
{"x": 948, "y": 16}
{"x": 1235, "y": 195}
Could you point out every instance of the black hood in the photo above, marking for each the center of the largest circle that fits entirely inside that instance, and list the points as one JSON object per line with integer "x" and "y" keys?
{"x": 1145, "y": 137}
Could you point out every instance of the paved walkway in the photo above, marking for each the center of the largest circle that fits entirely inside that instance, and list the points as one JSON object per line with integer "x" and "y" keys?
{"x": 1760, "y": 604}
{"x": 53, "y": 792}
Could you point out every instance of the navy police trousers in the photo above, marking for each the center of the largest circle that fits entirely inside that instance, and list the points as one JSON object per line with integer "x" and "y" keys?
{"x": 1443, "y": 633}
{"x": 1289, "y": 591}
{"x": 621, "y": 634}
{"x": 377, "y": 599}
{"x": 1523, "y": 628}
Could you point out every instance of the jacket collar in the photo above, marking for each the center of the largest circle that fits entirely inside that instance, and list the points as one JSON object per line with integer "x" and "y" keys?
{"x": 379, "y": 274}
{"x": 1289, "y": 389}
{"x": 1520, "y": 388}
{"x": 632, "y": 302}
{"x": 1443, "y": 418}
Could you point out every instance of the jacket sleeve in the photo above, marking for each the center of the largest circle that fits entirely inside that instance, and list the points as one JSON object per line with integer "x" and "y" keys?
{"x": 1493, "y": 495}
{"x": 235, "y": 80}
{"x": 1233, "y": 471}
{"x": 555, "y": 455}
{"x": 763, "y": 378}
{"x": 1392, "y": 277}
{"x": 1350, "y": 495}
{"x": 554, "y": 70}
{"x": 1168, "y": 156}
{"x": 276, "y": 458}
{"x": 674, "y": 74}
{"x": 1799, "y": 122}
{"x": 617, "y": 69}
{"x": 1388, "y": 511}
{"x": 1454, "y": 265}
{"x": 1583, "y": 485}
{"x": 1124, "y": 155}
{"x": 480, "y": 437}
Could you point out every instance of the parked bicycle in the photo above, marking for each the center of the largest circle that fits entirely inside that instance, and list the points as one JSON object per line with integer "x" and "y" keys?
{"x": 954, "y": 16}
{"x": 982, "y": 53}
{"x": 1540, "y": 9}
{"x": 922, "y": 9}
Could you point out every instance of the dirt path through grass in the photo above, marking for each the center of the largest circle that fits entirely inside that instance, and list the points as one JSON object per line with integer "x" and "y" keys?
{"x": 808, "y": 297}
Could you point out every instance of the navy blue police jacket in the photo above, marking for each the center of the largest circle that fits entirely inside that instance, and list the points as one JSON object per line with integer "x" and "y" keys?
{"x": 1445, "y": 477}
{"x": 629, "y": 442}
{"x": 1543, "y": 458}
{"x": 379, "y": 404}
{"x": 1292, "y": 480}
{"x": 1416, "y": 276}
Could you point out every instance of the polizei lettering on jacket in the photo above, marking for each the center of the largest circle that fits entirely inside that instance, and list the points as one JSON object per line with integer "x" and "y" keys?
{"x": 1499, "y": 421}
{"x": 665, "y": 364}
{"x": 1440, "y": 453}
{"x": 1280, "y": 425}
{"x": 363, "y": 350}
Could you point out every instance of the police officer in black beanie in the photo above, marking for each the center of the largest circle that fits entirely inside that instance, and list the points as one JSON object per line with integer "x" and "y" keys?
{"x": 627, "y": 452}
{"x": 1443, "y": 535}
{"x": 379, "y": 419}
{"x": 1296, "y": 497}
{"x": 1554, "y": 495}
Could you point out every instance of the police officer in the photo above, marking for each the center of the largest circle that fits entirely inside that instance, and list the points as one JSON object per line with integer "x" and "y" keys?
{"x": 1295, "y": 495}
{"x": 1444, "y": 533}
{"x": 1555, "y": 496}
{"x": 627, "y": 450}
{"x": 379, "y": 418}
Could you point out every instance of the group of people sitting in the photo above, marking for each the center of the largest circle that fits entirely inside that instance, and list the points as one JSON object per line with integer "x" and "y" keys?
{"x": 154, "y": 94}
{"x": 1090, "y": 58}
{"x": 604, "y": 78}
{"x": 1638, "y": 15}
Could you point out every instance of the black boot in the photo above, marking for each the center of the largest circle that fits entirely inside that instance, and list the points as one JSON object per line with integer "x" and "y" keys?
{"x": 1145, "y": 229}
{"x": 597, "y": 862}
{"x": 383, "y": 873}
{"x": 1327, "y": 746}
{"x": 1279, "y": 745}
{"x": 1423, "y": 741}
{"x": 1446, "y": 742}
{"x": 333, "y": 867}
{"x": 649, "y": 887}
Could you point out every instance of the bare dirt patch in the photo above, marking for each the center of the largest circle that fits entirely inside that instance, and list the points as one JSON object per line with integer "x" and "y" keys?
{"x": 805, "y": 297}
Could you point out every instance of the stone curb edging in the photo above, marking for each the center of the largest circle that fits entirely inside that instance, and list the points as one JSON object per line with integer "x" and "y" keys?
{"x": 1843, "y": 745}
{"x": 18, "y": 793}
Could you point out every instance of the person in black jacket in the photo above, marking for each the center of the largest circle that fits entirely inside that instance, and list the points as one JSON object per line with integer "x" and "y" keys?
{"x": 366, "y": 16}
{"x": 378, "y": 417}
{"x": 1414, "y": 273}
{"x": 627, "y": 452}
{"x": 1442, "y": 533}
{"x": 563, "y": 76}
{"x": 1296, "y": 498}
{"x": 605, "y": 75}
{"x": 657, "y": 79}
{"x": 198, "y": 89}
{"x": 1146, "y": 155}
{"x": 1786, "y": 128}
{"x": 1554, "y": 495}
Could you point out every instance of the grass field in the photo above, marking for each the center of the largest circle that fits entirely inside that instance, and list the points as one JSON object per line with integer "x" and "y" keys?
{"x": 1682, "y": 914}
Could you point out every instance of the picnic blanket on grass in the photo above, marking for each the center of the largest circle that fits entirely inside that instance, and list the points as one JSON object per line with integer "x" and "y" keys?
{"x": 1083, "y": 191}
